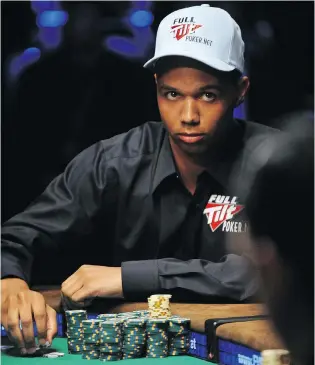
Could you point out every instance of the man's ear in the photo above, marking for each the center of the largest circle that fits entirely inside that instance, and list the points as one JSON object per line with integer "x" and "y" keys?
{"x": 155, "y": 77}
{"x": 243, "y": 87}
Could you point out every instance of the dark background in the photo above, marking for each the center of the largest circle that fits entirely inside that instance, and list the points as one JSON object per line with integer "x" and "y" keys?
{"x": 80, "y": 92}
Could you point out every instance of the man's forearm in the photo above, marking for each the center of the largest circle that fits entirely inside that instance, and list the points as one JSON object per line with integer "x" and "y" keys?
{"x": 233, "y": 278}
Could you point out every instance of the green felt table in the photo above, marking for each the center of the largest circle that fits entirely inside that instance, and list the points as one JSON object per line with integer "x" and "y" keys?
{"x": 60, "y": 345}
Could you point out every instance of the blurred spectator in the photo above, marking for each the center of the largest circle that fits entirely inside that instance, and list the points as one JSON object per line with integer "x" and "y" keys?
{"x": 280, "y": 208}
{"x": 67, "y": 101}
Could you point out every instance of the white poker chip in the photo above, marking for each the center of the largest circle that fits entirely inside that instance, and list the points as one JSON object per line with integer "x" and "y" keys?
{"x": 61, "y": 354}
{"x": 54, "y": 355}
{"x": 159, "y": 306}
{"x": 6, "y": 347}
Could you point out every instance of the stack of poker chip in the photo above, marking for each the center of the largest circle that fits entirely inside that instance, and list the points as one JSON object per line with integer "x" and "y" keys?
{"x": 91, "y": 339}
{"x": 134, "y": 338}
{"x": 74, "y": 320}
{"x": 159, "y": 306}
{"x": 157, "y": 338}
{"x": 111, "y": 340}
{"x": 178, "y": 331}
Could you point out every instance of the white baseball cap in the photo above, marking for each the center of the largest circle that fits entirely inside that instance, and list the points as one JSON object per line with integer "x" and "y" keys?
{"x": 204, "y": 33}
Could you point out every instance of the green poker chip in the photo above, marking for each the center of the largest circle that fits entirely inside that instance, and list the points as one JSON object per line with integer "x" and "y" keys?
{"x": 110, "y": 357}
{"x": 90, "y": 355}
{"x": 75, "y": 339}
{"x": 130, "y": 335}
{"x": 91, "y": 323}
{"x": 75, "y": 313}
{"x": 110, "y": 322}
{"x": 106, "y": 316}
{"x": 178, "y": 336}
{"x": 134, "y": 337}
{"x": 110, "y": 336}
{"x": 134, "y": 322}
{"x": 157, "y": 321}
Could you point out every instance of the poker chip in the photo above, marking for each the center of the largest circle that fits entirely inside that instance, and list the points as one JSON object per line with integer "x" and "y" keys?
{"x": 152, "y": 333}
{"x": 134, "y": 338}
{"x": 127, "y": 315}
{"x": 179, "y": 325}
{"x": 178, "y": 333}
{"x": 141, "y": 313}
{"x": 75, "y": 336}
{"x": 90, "y": 355}
{"x": 106, "y": 316}
{"x": 54, "y": 355}
{"x": 157, "y": 338}
{"x": 111, "y": 339}
{"x": 159, "y": 306}
{"x": 109, "y": 357}
{"x": 91, "y": 339}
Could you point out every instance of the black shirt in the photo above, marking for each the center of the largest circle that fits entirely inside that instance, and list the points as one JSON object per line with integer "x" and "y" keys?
{"x": 127, "y": 189}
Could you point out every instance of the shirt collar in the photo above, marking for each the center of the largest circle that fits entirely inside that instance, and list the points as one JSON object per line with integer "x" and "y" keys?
{"x": 165, "y": 165}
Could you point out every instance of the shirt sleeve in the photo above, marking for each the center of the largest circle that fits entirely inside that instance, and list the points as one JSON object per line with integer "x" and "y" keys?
{"x": 233, "y": 278}
{"x": 64, "y": 210}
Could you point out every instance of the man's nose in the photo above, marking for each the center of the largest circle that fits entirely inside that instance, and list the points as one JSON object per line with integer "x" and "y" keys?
{"x": 189, "y": 112}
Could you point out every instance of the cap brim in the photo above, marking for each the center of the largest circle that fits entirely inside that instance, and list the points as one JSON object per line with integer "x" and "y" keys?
{"x": 209, "y": 61}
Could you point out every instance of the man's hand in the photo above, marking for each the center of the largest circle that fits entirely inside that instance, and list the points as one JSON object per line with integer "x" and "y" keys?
{"x": 92, "y": 281}
{"x": 19, "y": 303}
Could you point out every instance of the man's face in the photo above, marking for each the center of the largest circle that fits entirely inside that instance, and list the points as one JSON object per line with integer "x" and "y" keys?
{"x": 192, "y": 104}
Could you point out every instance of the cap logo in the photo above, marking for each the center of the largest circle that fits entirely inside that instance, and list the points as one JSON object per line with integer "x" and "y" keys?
{"x": 184, "y": 26}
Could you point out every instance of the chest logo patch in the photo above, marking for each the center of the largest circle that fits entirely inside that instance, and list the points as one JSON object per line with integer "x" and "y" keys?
{"x": 220, "y": 209}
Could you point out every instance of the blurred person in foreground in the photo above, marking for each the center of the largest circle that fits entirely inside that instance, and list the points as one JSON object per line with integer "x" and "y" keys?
{"x": 149, "y": 208}
{"x": 280, "y": 208}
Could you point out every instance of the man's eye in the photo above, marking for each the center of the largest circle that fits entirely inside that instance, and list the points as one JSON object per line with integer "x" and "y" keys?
{"x": 208, "y": 96}
{"x": 171, "y": 95}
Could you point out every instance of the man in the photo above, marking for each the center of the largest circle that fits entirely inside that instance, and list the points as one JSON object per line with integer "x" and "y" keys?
{"x": 157, "y": 196}
{"x": 280, "y": 208}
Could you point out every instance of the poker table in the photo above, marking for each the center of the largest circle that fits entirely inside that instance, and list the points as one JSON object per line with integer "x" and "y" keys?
{"x": 234, "y": 337}
{"x": 60, "y": 345}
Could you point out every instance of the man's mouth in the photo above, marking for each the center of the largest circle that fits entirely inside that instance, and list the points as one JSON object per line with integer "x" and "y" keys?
{"x": 190, "y": 137}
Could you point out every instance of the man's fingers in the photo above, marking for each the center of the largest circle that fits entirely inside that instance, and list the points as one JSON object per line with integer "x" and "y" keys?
{"x": 82, "y": 294}
{"x": 70, "y": 281}
{"x": 27, "y": 326}
{"x": 51, "y": 323}
{"x": 40, "y": 316}
{"x": 4, "y": 323}
{"x": 72, "y": 287}
{"x": 67, "y": 281}
{"x": 13, "y": 323}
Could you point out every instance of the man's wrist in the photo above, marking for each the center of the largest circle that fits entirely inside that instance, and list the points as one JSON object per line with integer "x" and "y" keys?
{"x": 13, "y": 283}
{"x": 119, "y": 293}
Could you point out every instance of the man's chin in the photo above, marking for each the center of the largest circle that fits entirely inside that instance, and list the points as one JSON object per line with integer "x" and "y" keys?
{"x": 197, "y": 148}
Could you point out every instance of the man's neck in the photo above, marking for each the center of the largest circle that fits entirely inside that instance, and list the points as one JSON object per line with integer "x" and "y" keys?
{"x": 188, "y": 167}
